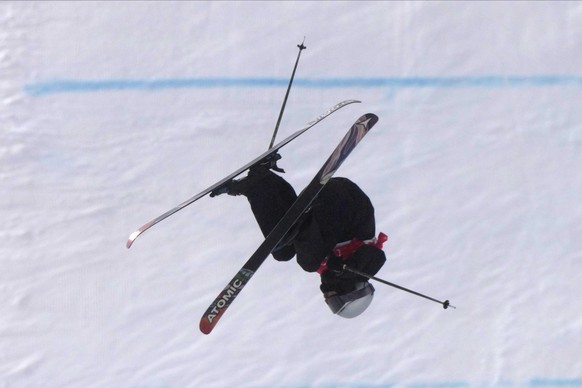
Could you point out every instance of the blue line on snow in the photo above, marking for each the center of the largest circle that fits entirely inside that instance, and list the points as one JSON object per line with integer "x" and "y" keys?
{"x": 491, "y": 81}
{"x": 556, "y": 383}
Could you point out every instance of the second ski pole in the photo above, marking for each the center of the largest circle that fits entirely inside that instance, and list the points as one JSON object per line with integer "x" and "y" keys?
{"x": 446, "y": 304}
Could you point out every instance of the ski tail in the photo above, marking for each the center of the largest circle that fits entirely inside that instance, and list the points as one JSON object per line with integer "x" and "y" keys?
{"x": 218, "y": 307}
{"x": 224, "y": 299}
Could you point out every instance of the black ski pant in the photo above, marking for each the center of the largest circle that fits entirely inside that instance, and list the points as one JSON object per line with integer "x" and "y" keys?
{"x": 270, "y": 196}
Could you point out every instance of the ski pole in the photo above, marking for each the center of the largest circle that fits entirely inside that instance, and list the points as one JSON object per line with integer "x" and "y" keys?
{"x": 445, "y": 304}
{"x": 301, "y": 48}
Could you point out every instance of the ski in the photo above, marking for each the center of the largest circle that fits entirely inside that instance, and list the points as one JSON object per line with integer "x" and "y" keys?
{"x": 258, "y": 159}
{"x": 218, "y": 307}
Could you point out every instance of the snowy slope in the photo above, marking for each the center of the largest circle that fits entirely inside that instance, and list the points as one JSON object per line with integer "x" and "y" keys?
{"x": 112, "y": 113}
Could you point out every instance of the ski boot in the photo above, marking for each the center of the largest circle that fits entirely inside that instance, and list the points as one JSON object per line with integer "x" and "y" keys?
{"x": 236, "y": 187}
{"x": 270, "y": 162}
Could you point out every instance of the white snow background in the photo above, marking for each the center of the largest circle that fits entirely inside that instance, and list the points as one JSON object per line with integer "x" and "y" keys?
{"x": 113, "y": 112}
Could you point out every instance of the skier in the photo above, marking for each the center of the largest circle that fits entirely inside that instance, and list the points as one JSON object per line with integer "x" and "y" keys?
{"x": 338, "y": 229}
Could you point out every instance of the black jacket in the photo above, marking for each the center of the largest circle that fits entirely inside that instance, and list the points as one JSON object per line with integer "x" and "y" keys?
{"x": 341, "y": 212}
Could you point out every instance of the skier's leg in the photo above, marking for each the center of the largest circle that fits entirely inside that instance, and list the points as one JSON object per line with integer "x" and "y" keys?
{"x": 270, "y": 196}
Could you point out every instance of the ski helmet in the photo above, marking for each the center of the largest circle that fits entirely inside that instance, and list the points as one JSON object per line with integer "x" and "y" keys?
{"x": 353, "y": 303}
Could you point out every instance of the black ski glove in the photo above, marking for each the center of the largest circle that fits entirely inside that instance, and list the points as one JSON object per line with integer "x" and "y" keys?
{"x": 335, "y": 264}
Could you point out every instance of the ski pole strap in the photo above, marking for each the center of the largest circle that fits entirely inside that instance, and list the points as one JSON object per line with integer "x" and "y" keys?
{"x": 347, "y": 248}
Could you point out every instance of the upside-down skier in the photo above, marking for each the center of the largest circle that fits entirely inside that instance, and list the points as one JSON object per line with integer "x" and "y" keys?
{"x": 337, "y": 230}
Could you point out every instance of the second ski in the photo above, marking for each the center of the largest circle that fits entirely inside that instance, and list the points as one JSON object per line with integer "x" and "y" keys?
{"x": 356, "y": 133}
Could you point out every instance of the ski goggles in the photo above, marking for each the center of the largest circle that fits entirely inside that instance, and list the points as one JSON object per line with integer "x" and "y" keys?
{"x": 353, "y": 303}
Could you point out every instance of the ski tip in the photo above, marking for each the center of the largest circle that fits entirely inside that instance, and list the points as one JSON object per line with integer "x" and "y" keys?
{"x": 368, "y": 121}
{"x": 370, "y": 118}
{"x": 132, "y": 238}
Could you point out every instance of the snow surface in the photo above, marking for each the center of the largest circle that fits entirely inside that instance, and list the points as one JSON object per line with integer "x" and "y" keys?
{"x": 111, "y": 113}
